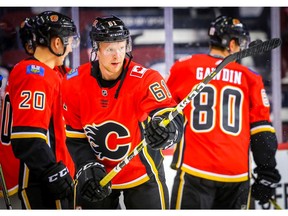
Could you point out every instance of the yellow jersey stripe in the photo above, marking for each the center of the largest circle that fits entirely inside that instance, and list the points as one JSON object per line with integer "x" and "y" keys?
{"x": 133, "y": 183}
{"x": 74, "y": 134}
{"x": 263, "y": 128}
{"x": 21, "y": 135}
{"x": 214, "y": 176}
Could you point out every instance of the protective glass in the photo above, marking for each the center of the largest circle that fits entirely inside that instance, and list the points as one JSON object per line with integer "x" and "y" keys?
{"x": 73, "y": 40}
{"x": 244, "y": 42}
{"x": 115, "y": 48}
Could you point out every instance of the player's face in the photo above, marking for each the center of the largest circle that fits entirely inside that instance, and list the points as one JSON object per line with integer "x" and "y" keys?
{"x": 111, "y": 57}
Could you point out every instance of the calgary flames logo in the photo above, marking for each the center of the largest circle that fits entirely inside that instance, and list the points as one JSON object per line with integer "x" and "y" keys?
{"x": 54, "y": 18}
{"x": 235, "y": 21}
{"x": 109, "y": 140}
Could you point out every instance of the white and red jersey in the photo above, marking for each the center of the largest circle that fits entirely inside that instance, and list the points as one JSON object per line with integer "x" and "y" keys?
{"x": 112, "y": 125}
{"x": 217, "y": 130}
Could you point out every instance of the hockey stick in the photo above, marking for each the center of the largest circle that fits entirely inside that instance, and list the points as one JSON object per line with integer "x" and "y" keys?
{"x": 274, "y": 203}
{"x": 257, "y": 49}
{"x": 4, "y": 189}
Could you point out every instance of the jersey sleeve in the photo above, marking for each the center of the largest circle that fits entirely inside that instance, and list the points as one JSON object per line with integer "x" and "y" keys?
{"x": 264, "y": 145}
{"x": 263, "y": 138}
{"x": 157, "y": 95}
{"x": 259, "y": 102}
{"x": 174, "y": 81}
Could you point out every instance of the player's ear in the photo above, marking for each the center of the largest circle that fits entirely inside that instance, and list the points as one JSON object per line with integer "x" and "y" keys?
{"x": 233, "y": 46}
{"x": 56, "y": 45}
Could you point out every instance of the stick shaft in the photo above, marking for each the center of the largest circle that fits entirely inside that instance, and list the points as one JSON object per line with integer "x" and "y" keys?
{"x": 274, "y": 203}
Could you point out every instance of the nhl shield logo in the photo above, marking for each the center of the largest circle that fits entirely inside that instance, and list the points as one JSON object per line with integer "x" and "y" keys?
{"x": 104, "y": 92}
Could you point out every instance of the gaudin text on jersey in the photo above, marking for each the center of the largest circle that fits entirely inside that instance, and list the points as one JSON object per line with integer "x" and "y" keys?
{"x": 225, "y": 74}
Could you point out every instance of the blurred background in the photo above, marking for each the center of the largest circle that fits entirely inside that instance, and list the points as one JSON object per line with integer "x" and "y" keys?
{"x": 161, "y": 35}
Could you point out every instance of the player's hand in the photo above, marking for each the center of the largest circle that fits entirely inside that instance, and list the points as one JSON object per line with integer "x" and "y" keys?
{"x": 58, "y": 181}
{"x": 264, "y": 186}
{"x": 159, "y": 137}
{"x": 89, "y": 177}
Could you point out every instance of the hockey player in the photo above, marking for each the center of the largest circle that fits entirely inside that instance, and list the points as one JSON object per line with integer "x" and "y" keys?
{"x": 28, "y": 39}
{"x": 9, "y": 163}
{"x": 38, "y": 136}
{"x": 106, "y": 103}
{"x": 229, "y": 114}
{"x": 6, "y": 161}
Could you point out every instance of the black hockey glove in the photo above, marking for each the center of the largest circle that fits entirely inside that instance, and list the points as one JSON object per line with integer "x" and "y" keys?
{"x": 58, "y": 181}
{"x": 264, "y": 186}
{"x": 159, "y": 137}
{"x": 89, "y": 177}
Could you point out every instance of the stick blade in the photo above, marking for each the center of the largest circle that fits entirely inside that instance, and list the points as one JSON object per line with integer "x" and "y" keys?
{"x": 260, "y": 48}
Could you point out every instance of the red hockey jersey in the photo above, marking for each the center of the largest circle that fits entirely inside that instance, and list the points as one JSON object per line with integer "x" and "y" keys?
{"x": 218, "y": 119}
{"x": 9, "y": 164}
{"x": 112, "y": 126}
{"x": 10, "y": 167}
{"x": 38, "y": 131}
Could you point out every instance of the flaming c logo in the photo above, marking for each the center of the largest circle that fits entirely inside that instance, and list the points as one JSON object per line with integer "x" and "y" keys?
{"x": 54, "y": 18}
{"x": 235, "y": 21}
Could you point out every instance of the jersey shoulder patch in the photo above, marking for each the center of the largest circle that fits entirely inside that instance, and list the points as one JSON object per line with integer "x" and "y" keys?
{"x": 138, "y": 71}
{"x": 72, "y": 73}
{"x": 35, "y": 69}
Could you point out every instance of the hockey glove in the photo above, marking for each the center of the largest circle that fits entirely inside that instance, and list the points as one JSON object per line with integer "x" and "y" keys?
{"x": 89, "y": 177}
{"x": 264, "y": 186}
{"x": 58, "y": 181}
{"x": 159, "y": 137}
